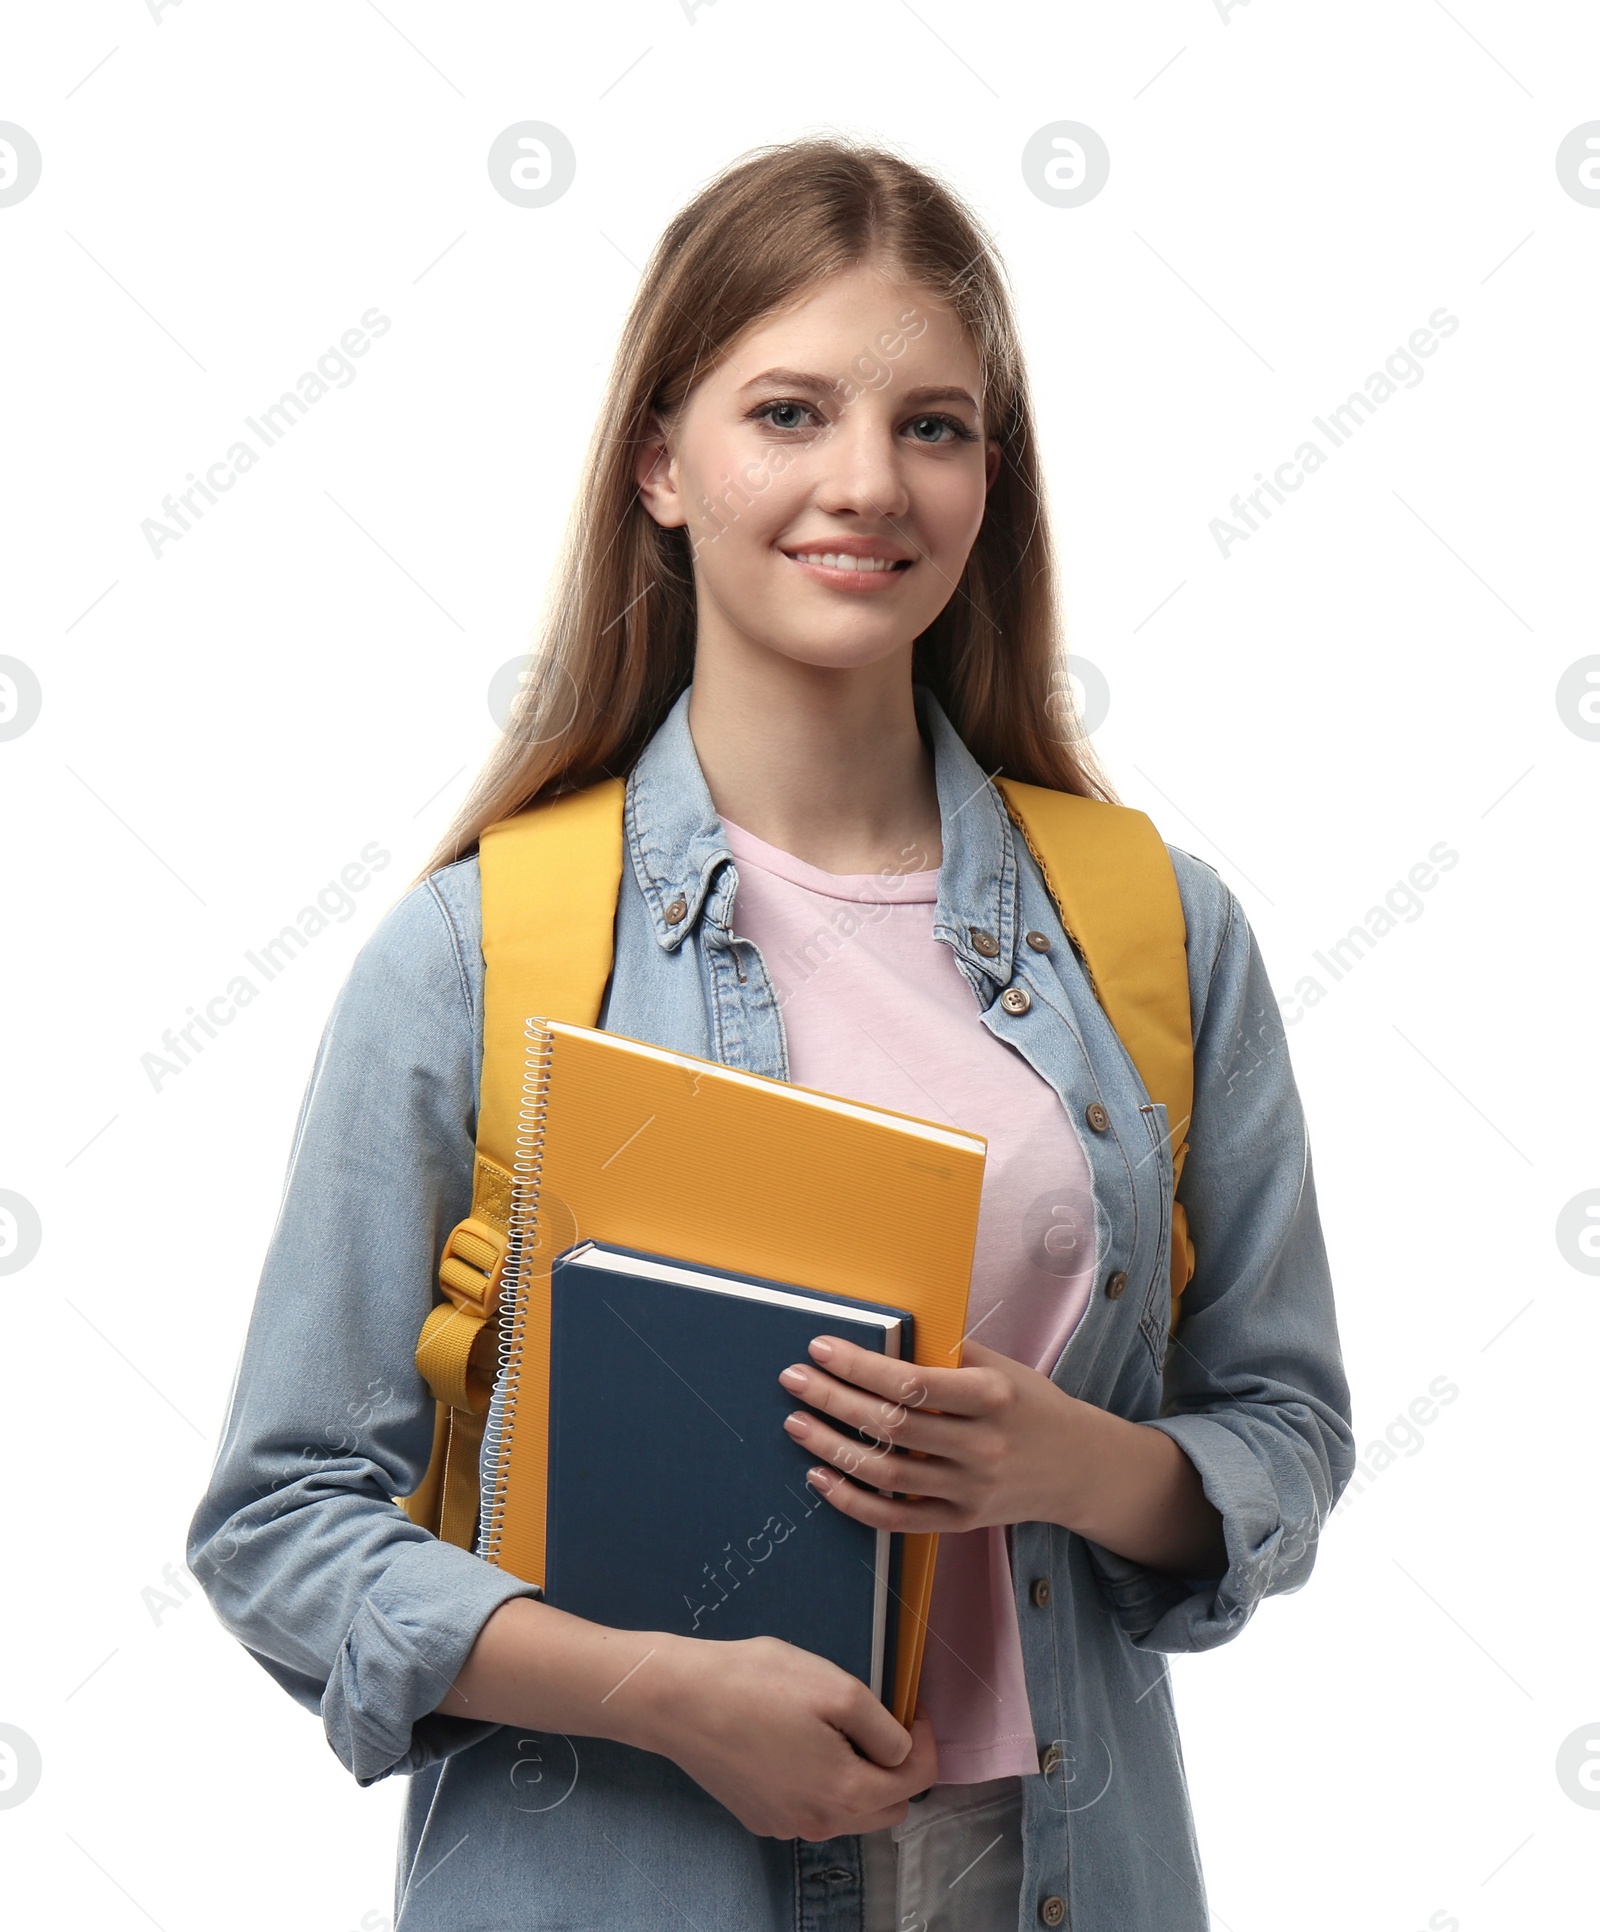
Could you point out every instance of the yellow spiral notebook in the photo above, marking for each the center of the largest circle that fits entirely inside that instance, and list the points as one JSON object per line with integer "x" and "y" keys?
{"x": 627, "y": 1143}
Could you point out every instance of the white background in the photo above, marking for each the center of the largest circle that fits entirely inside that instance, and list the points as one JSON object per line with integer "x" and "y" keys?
{"x": 1293, "y": 191}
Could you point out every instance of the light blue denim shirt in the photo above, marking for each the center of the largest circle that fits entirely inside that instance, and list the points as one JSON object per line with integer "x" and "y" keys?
{"x": 366, "y": 1619}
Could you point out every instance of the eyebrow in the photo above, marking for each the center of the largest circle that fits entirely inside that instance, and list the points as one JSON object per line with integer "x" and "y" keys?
{"x": 804, "y": 379}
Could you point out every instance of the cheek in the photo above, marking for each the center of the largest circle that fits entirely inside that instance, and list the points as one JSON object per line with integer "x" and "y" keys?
{"x": 742, "y": 488}
{"x": 952, "y": 505}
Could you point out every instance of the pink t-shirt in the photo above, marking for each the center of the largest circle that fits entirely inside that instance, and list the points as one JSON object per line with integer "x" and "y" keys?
{"x": 876, "y": 1009}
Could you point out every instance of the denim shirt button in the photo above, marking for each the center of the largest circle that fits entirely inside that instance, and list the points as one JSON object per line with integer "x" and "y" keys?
{"x": 1052, "y": 1910}
{"x": 1115, "y": 1286}
{"x": 1039, "y": 1591}
{"x": 984, "y": 942}
{"x": 676, "y": 909}
{"x": 1039, "y": 941}
{"x": 1097, "y": 1116}
{"x": 1050, "y": 1759}
{"x": 1016, "y": 999}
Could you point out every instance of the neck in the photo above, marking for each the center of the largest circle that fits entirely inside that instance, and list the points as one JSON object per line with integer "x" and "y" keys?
{"x": 824, "y": 763}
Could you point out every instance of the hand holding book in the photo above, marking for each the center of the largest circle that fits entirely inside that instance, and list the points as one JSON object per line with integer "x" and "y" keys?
{"x": 794, "y": 1746}
{"x": 791, "y": 1744}
{"x": 996, "y": 1442}
{"x": 989, "y": 1439}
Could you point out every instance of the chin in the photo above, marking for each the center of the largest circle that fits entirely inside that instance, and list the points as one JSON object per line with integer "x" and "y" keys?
{"x": 843, "y": 654}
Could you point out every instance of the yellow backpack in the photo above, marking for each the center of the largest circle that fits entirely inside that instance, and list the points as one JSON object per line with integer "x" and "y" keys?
{"x": 550, "y": 877}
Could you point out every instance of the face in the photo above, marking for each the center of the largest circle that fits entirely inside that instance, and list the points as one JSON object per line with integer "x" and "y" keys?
{"x": 831, "y": 473}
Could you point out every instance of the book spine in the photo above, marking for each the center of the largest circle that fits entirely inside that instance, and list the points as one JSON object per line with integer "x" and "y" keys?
{"x": 522, "y": 1247}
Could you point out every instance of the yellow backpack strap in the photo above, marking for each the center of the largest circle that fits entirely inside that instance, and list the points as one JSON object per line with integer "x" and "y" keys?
{"x": 549, "y": 878}
{"x": 1111, "y": 876}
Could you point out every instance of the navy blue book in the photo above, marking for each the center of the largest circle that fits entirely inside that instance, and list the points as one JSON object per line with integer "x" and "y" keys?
{"x": 676, "y": 1500}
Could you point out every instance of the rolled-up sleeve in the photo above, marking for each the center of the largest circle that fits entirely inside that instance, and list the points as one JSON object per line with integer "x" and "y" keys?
{"x": 298, "y": 1543}
{"x": 1254, "y": 1390}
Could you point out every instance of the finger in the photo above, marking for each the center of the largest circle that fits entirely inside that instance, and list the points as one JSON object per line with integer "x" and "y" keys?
{"x": 883, "y": 1467}
{"x": 907, "y": 1383}
{"x": 876, "y": 1732}
{"x": 885, "y": 1789}
{"x": 922, "y": 1761}
{"x": 913, "y": 1515}
{"x": 917, "y": 1773}
{"x": 979, "y": 1354}
{"x": 958, "y": 1391}
{"x": 890, "y": 1423}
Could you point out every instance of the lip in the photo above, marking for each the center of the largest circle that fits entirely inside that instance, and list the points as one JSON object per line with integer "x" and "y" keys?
{"x": 859, "y": 582}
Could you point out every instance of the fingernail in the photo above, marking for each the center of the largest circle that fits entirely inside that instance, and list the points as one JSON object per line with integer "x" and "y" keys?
{"x": 817, "y": 1475}
{"x": 822, "y": 1348}
{"x": 794, "y": 1378}
{"x": 799, "y": 1423}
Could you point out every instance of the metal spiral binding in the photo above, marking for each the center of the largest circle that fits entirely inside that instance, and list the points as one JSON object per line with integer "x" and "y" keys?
{"x": 526, "y": 1170}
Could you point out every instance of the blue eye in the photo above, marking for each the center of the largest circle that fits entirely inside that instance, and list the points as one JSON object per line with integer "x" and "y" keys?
{"x": 958, "y": 430}
{"x": 781, "y": 413}
{"x": 768, "y": 412}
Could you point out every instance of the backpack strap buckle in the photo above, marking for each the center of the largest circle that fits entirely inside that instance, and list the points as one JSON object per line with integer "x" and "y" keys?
{"x": 469, "y": 1273}
{"x": 471, "y": 1265}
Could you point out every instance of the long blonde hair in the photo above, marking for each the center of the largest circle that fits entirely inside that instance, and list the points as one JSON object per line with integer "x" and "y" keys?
{"x": 618, "y": 641}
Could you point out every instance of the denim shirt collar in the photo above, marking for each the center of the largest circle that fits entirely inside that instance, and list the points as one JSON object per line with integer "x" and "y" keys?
{"x": 677, "y": 844}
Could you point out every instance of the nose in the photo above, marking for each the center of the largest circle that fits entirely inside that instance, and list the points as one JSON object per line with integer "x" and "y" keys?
{"x": 862, "y": 466}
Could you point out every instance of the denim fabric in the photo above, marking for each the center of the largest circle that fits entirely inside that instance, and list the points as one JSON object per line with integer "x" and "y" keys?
{"x": 366, "y": 1619}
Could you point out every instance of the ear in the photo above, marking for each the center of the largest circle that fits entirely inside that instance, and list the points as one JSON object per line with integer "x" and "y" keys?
{"x": 991, "y": 462}
{"x": 655, "y": 472}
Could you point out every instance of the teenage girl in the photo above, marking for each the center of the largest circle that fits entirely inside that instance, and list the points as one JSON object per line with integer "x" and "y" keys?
{"x": 807, "y": 606}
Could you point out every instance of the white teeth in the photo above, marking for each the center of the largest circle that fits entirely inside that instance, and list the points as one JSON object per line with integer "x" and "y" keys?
{"x": 842, "y": 560}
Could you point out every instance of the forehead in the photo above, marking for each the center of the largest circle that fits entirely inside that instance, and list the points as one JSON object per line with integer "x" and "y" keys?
{"x": 860, "y": 316}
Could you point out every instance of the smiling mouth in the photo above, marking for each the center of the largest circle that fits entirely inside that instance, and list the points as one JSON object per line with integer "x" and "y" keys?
{"x": 843, "y": 560}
